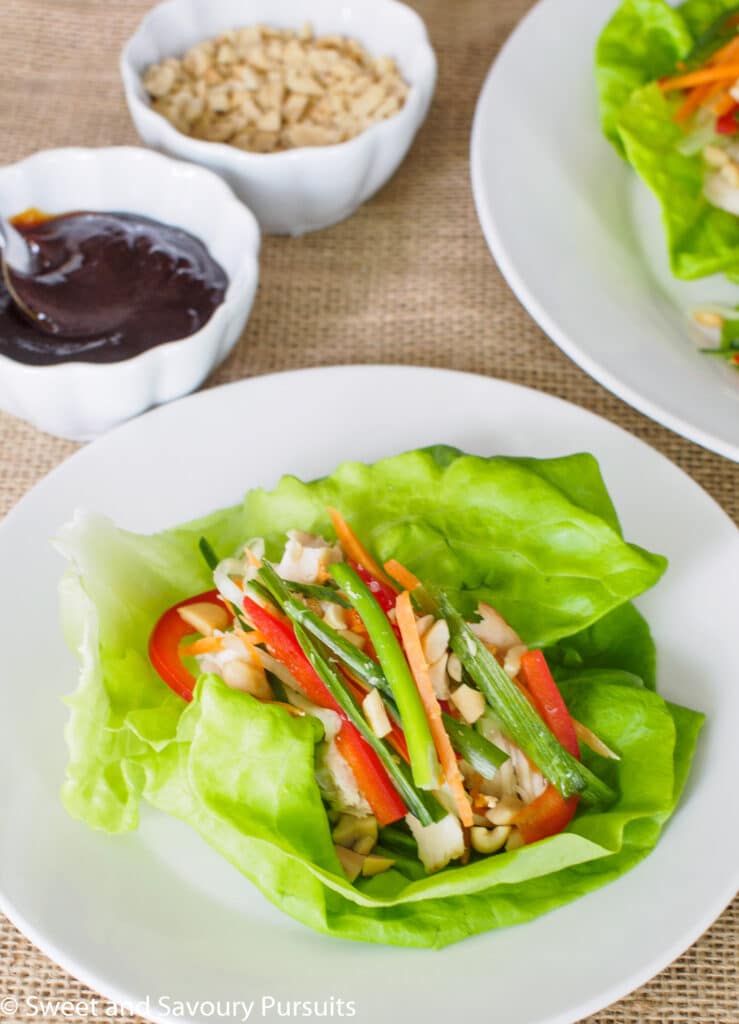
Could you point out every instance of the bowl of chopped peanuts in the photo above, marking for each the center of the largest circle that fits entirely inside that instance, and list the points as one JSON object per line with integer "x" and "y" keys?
{"x": 305, "y": 107}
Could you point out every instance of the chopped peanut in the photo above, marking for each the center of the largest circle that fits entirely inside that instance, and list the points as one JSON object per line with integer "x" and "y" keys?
{"x": 267, "y": 89}
{"x": 706, "y": 318}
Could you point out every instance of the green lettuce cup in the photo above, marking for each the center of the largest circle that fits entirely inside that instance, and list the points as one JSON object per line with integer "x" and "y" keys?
{"x": 538, "y": 539}
{"x": 644, "y": 41}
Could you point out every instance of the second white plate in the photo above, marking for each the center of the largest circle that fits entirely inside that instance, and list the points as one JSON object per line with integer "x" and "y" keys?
{"x": 576, "y": 241}
{"x": 156, "y": 917}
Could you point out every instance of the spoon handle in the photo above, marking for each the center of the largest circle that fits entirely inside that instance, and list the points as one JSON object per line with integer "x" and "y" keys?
{"x": 15, "y": 253}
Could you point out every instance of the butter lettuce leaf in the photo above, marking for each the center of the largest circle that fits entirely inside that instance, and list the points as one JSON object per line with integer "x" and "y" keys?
{"x": 701, "y": 16}
{"x": 620, "y": 641}
{"x": 537, "y": 539}
{"x": 643, "y": 41}
{"x": 242, "y": 773}
{"x": 701, "y": 238}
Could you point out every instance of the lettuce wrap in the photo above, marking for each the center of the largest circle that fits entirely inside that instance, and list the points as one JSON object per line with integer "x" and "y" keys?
{"x": 539, "y": 539}
{"x": 644, "y": 41}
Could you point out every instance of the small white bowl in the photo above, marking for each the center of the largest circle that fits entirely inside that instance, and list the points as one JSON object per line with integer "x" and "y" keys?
{"x": 301, "y": 189}
{"x": 79, "y": 400}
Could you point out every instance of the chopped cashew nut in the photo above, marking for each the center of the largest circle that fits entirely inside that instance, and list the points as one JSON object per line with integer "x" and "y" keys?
{"x": 512, "y": 660}
{"x": 240, "y": 675}
{"x": 436, "y": 641}
{"x": 493, "y": 629}
{"x": 504, "y": 811}
{"x": 515, "y": 840}
{"x": 489, "y": 840}
{"x": 470, "y": 703}
{"x": 454, "y": 668}
{"x": 356, "y": 832}
{"x": 375, "y": 865}
{"x": 439, "y": 678}
{"x": 376, "y": 714}
{"x": 351, "y": 861}
{"x": 204, "y": 617}
{"x": 706, "y": 318}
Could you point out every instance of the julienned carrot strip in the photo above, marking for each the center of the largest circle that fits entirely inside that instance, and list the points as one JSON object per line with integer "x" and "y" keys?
{"x": 715, "y": 74}
{"x": 692, "y": 101}
{"x": 404, "y": 576}
{"x": 725, "y": 53}
{"x": 419, "y": 667}
{"x": 702, "y": 95}
{"x": 252, "y": 637}
{"x": 354, "y": 548}
{"x": 205, "y": 645}
{"x": 723, "y": 105}
{"x": 712, "y": 91}
{"x": 252, "y": 558}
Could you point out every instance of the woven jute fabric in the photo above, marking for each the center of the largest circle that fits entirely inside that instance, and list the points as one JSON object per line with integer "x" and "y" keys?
{"x": 407, "y": 279}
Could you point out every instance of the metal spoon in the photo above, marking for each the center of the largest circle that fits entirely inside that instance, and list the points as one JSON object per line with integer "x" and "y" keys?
{"x": 16, "y": 266}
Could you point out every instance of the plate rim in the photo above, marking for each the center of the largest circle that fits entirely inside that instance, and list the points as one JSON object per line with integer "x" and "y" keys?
{"x": 516, "y": 279}
{"x": 584, "y": 1007}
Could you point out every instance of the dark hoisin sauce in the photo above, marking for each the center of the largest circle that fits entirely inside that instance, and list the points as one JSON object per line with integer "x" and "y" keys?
{"x": 121, "y": 284}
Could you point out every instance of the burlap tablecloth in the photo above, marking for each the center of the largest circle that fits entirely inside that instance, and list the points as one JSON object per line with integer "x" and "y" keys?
{"x": 407, "y": 279}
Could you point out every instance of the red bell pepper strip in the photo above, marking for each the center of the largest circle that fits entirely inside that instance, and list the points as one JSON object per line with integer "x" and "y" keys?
{"x": 371, "y": 777}
{"x": 383, "y": 594}
{"x": 727, "y": 123}
{"x": 545, "y": 816}
{"x": 385, "y": 597}
{"x": 549, "y": 813}
{"x": 169, "y": 632}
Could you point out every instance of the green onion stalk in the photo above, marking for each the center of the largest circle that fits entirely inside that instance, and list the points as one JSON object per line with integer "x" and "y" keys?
{"x": 479, "y": 752}
{"x": 425, "y": 807}
{"x": 518, "y": 719}
{"x": 421, "y": 749}
{"x": 354, "y": 659}
{"x": 318, "y": 592}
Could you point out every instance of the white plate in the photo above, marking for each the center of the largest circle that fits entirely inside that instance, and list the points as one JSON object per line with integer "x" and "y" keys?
{"x": 577, "y": 241}
{"x": 157, "y": 913}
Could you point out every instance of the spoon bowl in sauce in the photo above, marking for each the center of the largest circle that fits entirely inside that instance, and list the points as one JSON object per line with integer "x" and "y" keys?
{"x": 130, "y": 347}
{"x": 15, "y": 266}
{"x": 104, "y": 286}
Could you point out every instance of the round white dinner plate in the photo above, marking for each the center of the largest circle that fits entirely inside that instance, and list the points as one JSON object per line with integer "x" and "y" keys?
{"x": 576, "y": 235}
{"x": 156, "y": 918}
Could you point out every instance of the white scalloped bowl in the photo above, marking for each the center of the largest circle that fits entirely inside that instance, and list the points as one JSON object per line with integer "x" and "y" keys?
{"x": 79, "y": 400}
{"x": 300, "y": 189}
